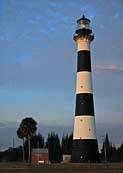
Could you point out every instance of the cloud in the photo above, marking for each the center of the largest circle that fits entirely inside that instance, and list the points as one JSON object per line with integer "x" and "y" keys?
{"x": 35, "y": 19}
{"x": 108, "y": 67}
{"x": 116, "y": 15}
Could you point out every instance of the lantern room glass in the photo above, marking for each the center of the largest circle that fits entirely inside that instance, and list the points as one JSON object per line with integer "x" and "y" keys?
{"x": 83, "y": 24}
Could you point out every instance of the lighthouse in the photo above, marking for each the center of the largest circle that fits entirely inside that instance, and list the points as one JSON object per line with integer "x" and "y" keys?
{"x": 85, "y": 147}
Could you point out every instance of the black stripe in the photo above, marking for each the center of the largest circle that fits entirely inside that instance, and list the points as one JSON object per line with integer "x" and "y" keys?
{"x": 85, "y": 150}
{"x": 84, "y": 61}
{"x": 84, "y": 104}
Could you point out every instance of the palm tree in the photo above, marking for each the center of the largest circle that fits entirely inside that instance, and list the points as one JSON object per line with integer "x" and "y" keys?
{"x": 28, "y": 127}
{"x": 21, "y": 136}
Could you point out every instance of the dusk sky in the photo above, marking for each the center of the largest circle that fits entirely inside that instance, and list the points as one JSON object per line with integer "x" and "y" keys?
{"x": 38, "y": 59}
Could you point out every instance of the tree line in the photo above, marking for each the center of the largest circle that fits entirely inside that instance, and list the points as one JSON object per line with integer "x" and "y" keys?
{"x": 56, "y": 147}
{"x": 27, "y": 133}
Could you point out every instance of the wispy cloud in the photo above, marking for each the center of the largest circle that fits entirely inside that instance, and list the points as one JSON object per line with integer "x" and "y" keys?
{"x": 108, "y": 67}
{"x": 35, "y": 19}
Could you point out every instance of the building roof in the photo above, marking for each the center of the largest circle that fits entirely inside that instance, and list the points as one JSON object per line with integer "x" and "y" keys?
{"x": 39, "y": 150}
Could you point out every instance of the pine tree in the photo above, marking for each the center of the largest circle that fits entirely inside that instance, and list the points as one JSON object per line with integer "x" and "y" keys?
{"x": 64, "y": 144}
{"x": 67, "y": 142}
{"x": 106, "y": 150}
{"x": 37, "y": 141}
{"x": 70, "y": 143}
{"x": 120, "y": 152}
{"x": 53, "y": 144}
{"x": 114, "y": 153}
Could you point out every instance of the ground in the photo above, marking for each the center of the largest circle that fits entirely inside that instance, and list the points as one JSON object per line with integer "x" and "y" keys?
{"x": 61, "y": 168}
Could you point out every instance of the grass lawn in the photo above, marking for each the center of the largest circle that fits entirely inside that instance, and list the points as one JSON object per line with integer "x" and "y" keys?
{"x": 61, "y": 168}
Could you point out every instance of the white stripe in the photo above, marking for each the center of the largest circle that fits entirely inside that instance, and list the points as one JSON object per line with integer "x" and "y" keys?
{"x": 83, "y": 44}
{"x": 84, "y": 82}
{"x": 84, "y": 127}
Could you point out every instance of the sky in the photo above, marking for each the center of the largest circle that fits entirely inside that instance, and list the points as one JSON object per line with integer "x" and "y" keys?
{"x": 38, "y": 59}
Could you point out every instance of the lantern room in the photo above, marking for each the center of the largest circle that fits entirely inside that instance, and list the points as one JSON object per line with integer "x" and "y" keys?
{"x": 83, "y": 23}
{"x": 83, "y": 29}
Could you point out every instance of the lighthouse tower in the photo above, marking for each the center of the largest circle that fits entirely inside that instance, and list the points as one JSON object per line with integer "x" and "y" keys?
{"x": 85, "y": 147}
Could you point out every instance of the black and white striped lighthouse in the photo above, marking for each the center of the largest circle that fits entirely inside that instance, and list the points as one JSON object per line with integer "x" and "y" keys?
{"x": 85, "y": 147}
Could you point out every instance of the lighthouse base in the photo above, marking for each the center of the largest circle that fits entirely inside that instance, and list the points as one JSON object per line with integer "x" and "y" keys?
{"x": 85, "y": 151}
